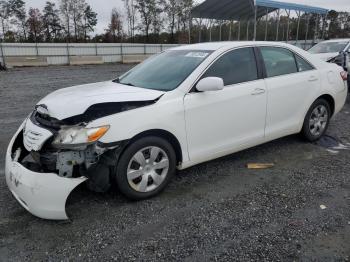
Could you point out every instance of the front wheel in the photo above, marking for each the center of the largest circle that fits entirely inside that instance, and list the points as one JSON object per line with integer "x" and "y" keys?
{"x": 145, "y": 167}
{"x": 316, "y": 120}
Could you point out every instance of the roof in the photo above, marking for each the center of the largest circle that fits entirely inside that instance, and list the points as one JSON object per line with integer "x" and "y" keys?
{"x": 213, "y": 46}
{"x": 226, "y": 45}
{"x": 205, "y": 46}
{"x": 244, "y": 9}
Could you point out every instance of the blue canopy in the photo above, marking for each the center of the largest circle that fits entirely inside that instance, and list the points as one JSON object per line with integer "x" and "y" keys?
{"x": 245, "y": 9}
{"x": 291, "y": 6}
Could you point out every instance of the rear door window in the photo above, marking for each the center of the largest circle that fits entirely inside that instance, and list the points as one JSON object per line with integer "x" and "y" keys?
{"x": 278, "y": 61}
{"x": 302, "y": 64}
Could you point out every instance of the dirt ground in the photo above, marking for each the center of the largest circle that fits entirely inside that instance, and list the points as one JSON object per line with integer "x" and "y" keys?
{"x": 219, "y": 210}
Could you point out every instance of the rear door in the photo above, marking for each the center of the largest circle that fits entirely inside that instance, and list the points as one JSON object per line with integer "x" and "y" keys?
{"x": 292, "y": 83}
{"x": 217, "y": 122}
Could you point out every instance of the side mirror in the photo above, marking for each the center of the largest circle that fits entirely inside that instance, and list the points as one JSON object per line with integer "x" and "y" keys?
{"x": 210, "y": 84}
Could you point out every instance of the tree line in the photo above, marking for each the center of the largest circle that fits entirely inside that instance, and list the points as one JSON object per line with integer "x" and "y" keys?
{"x": 151, "y": 21}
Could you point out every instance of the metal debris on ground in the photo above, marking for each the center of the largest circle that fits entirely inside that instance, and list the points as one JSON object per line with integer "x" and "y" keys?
{"x": 260, "y": 165}
{"x": 323, "y": 207}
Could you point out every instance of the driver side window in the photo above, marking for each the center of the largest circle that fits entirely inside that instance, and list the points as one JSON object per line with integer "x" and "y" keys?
{"x": 235, "y": 67}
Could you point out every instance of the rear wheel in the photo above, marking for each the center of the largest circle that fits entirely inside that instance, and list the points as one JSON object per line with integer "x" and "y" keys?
{"x": 317, "y": 120}
{"x": 145, "y": 167}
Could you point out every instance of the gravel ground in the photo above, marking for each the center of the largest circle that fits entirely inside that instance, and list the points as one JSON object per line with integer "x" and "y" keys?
{"x": 214, "y": 211}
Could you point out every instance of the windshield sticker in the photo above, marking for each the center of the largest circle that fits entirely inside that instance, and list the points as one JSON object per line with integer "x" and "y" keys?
{"x": 197, "y": 54}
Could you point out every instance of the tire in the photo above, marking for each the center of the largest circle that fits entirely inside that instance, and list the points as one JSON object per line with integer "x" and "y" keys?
{"x": 316, "y": 120}
{"x": 138, "y": 178}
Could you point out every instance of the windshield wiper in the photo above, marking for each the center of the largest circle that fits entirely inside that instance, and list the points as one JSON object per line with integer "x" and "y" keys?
{"x": 127, "y": 84}
{"x": 118, "y": 81}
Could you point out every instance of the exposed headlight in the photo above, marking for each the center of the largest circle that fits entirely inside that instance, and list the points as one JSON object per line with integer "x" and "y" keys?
{"x": 78, "y": 136}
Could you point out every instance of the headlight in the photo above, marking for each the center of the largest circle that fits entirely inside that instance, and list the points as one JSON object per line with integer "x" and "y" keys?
{"x": 71, "y": 136}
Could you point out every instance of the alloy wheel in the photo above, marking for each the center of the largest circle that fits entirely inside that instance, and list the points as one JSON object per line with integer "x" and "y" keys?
{"x": 318, "y": 120}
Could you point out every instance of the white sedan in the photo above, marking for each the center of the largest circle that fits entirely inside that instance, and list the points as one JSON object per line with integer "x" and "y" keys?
{"x": 334, "y": 51}
{"x": 182, "y": 107}
{"x": 330, "y": 49}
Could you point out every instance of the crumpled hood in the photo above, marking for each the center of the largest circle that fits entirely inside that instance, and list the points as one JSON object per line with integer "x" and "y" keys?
{"x": 326, "y": 56}
{"x": 75, "y": 100}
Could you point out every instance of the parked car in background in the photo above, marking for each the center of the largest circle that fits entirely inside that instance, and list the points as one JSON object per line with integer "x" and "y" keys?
{"x": 329, "y": 49}
{"x": 334, "y": 51}
{"x": 177, "y": 109}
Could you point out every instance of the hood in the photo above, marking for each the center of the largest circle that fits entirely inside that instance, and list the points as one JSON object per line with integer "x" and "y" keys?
{"x": 326, "y": 56}
{"x": 72, "y": 101}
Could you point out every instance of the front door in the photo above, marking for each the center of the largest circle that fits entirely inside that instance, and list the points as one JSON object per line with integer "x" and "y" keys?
{"x": 217, "y": 122}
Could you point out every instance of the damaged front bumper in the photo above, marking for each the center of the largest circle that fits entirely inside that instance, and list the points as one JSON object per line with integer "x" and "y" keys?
{"x": 42, "y": 194}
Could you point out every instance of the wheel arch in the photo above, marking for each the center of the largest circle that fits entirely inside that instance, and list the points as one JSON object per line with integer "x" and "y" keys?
{"x": 330, "y": 100}
{"x": 163, "y": 134}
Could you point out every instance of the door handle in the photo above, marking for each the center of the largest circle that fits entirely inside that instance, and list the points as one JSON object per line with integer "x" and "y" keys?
{"x": 313, "y": 78}
{"x": 258, "y": 91}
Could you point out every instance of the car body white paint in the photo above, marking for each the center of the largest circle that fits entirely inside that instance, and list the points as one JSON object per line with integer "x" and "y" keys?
{"x": 72, "y": 101}
{"x": 169, "y": 118}
{"x": 207, "y": 125}
{"x": 210, "y": 84}
{"x": 326, "y": 56}
{"x": 42, "y": 194}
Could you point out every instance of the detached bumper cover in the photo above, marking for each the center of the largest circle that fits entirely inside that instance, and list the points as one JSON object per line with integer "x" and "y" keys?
{"x": 42, "y": 194}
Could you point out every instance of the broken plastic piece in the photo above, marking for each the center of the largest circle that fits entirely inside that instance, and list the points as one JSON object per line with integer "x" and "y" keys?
{"x": 260, "y": 165}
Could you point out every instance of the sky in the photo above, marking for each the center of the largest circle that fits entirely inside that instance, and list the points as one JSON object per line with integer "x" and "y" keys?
{"x": 104, "y": 7}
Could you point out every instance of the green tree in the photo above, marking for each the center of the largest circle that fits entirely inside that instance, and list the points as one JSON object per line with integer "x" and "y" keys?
{"x": 5, "y": 14}
{"x": 184, "y": 12}
{"x": 65, "y": 10}
{"x": 129, "y": 6}
{"x": 90, "y": 20}
{"x": 51, "y": 21}
{"x": 171, "y": 8}
{"x": 115, "y": 28}
{"x": 35, "y": 24}
{"x": 146, "y": 8}
{"x": 19, "y": 12}
{"x": 77, "y": 13}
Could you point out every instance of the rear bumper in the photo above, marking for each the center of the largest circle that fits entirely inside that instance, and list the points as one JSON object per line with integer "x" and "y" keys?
{"x": 42, "y": 194}
{"x": 340, "y": 99}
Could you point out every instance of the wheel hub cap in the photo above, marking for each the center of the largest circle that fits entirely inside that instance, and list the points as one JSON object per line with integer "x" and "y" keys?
{"x": 318, "y": 120}
{"x": 147, "y": 169}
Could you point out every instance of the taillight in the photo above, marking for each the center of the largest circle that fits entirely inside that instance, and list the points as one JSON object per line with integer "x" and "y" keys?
{"x": 344, "y": 75}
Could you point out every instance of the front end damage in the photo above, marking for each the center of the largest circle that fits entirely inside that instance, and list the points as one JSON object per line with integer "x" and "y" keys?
{"x": 56, "y": 149}
{"x": 41, "y": 175}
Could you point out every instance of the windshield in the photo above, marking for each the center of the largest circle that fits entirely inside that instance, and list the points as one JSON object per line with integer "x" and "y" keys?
{"x": 165, "y": 71}
{"x": 328, "y": 47}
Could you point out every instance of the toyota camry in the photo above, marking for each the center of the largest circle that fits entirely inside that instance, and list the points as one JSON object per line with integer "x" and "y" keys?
{"x": 184, "y": 106}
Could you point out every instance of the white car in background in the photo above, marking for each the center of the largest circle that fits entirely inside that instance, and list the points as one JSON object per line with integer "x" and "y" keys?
{"x": 182, "y": 107}
{"x": 330, "y": 49}
{"x": 334, "y": 51}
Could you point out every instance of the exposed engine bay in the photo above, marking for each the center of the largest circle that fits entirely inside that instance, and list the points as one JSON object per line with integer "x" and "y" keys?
{"x": 61, "y": 144}
{"x": 40, "y": 146}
